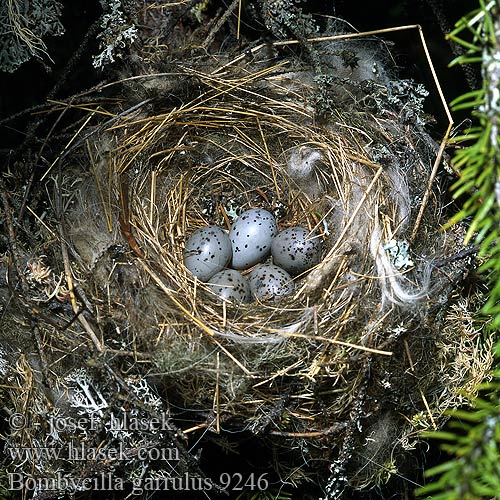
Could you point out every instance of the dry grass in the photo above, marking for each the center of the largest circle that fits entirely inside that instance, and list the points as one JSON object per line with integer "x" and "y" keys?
{"x": 233, "y": 140}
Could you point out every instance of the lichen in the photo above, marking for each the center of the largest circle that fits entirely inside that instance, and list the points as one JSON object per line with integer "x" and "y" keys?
{"x": 283, "y": 18}
{"x": 25, "y": 25}
{"x": 118, "y": 33}
{"x": 408, "y": 98}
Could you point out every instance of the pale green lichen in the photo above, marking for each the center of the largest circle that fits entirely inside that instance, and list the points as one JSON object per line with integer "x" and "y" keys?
{"x": 118, "y": 33}
{"x": 24, "y": 25}
{"x": 399, "y": 254}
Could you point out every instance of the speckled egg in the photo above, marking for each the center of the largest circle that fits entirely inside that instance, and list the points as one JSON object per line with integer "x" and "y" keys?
{"x": 231, "y": 285}
{"x": 251, "y": 236}
{"x": 296, "y": 250}
{"x": 269, "y": 281}
{"x": 207, "y": 251}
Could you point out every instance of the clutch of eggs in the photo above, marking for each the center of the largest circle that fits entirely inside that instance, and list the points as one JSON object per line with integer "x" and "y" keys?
{"x": 210, "y": 251}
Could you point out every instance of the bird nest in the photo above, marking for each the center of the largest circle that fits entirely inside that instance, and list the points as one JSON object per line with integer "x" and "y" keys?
{"x": 357, "y": 344}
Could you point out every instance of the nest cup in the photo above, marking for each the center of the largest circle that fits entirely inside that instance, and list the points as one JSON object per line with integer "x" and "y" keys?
{"x": 226, "y": 159}
{"x": 210, "y": 160}
{"x": 250, "y": 140}
{"x": 249, "y": 136}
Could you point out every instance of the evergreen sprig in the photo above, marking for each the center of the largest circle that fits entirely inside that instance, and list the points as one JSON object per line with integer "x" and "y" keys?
{"x": 473, "y": 442}
{"x": 478, "y": 160}
{"x": 472, "y": 438}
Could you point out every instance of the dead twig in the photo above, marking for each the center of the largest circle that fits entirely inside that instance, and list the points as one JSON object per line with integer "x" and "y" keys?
{"x": 69, "y": 280}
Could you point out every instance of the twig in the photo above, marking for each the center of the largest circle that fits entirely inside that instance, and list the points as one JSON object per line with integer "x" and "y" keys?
{"x": 216, "y": 404}
{"x": 124, "y": 217}
{"x": 11, "y": 234}
{"x": 337, "y": 482}
{"x": 43, "y": 360}
{"x": 133, "y": 354}
{"x": 333, "y": 429}
{"x": 69, "y": 280}
{"x": 466, "y": 252}
{"x": 229, "y": 11}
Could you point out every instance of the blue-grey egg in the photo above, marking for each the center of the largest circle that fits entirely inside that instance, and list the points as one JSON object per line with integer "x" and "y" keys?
{"x": 296, "y": 250}
{"x": 230, "y": 285}
{"x": 251, "y": 236}
{"x": 207, "y": 251}
{"x": 268, "y": 281}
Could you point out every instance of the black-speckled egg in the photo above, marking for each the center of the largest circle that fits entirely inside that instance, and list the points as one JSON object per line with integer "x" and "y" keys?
{"x": 296, "y": 250}
{"x": 230, "y": 285}
{"x": 251, "y": 236}
{"x": 207, "y": 251}
{"x": 268, "y": 281}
